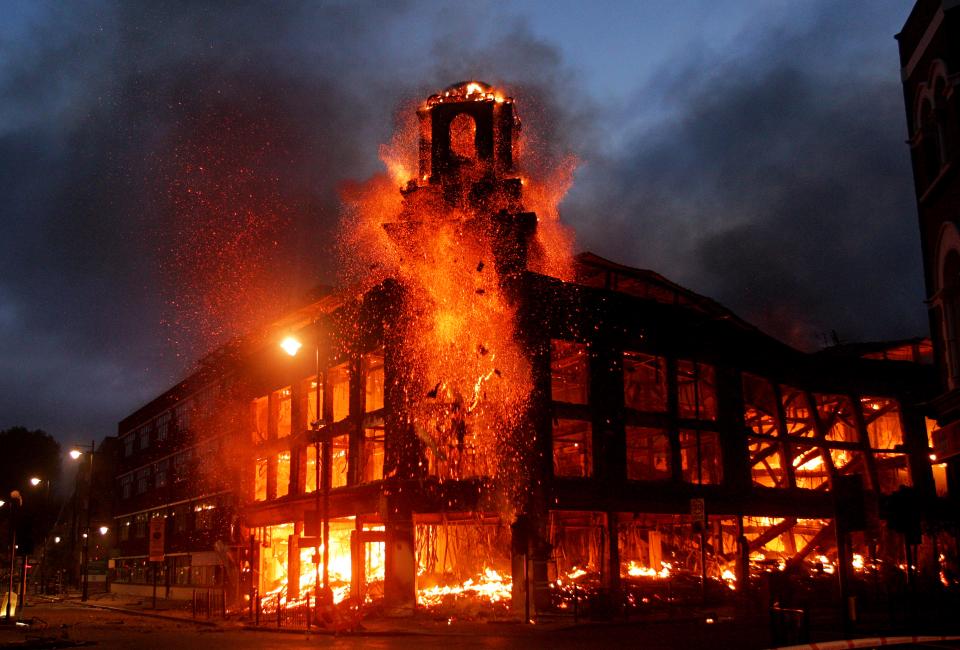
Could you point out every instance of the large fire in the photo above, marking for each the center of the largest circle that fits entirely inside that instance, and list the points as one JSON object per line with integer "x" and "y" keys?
{"x": 439, "y": 240}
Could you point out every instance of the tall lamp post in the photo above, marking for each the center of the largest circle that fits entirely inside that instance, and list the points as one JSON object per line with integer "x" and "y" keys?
{"x": 15, "y": 502}
{"x": 291, "y": 346}
{"x": 36, "y": 481}
{"x": 75, "y": 454}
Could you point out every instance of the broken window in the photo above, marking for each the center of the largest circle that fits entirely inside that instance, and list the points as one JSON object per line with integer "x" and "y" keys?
{"x": 260, "y": 480}
{"x": 700, "y": 458}
{"x": 837, "y": 416}
{"x": 696, "y": 390}
{"x": 339, "y": 378}
{"x": 310, "y": 483}
{"x": 373, "y": 449}
{"x": 572, "y": 448}
{"x": 283, "y": 411}
{"x": 648, "y": 454}
{"x": 340, "y": 450}
{"x": 797, "y": 413}
{"x": 260, "y": 414}
{"x": 759, "y": 405}
{"x": 767, "y": 468}
{"x": 882, "y": 418}
{"x": 283, "y": 473}
{"x": 644, "y": 382}
{"x": 310, "y": 401}
{"x": 569, "y": 372}
{"x": 809, "y": 468}
{"x": 373, "y": 383}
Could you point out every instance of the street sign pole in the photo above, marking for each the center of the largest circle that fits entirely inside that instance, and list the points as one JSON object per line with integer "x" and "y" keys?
{"x": 158, "y": 526}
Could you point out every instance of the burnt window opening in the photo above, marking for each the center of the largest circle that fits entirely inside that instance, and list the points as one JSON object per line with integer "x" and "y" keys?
{"x": 339, "y": 381}
{"x": 260, "y": 480}
{"x": 282, "y": 411}
{"x": 463, "y": 137}
{"x": 283, "y": 473}
{"x": 373, "y": 382}
{"x": 340, "y": 460}
{"x": 310, "y": 482}
{"x": 648, "y": 454}
{"x": 572, "y": 448}
{"x": 373, "y": 452}
{"x": 644, "y": 382}
{"x": 310, "y": 391}
{"x": 701, "y": 462}
{"x": 260, "y": 416}
{"x": 569, "y": 372}
{"x": 696, "y": 390}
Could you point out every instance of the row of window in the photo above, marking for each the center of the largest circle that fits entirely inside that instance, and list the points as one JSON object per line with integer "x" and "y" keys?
{"x": 181, "y": 418}
{"x": 175, "y": 571}
{"x": 172, "y": 469}
{"x": 182, "y": 518}
{"x": 795, "y": 438}
{"x": 272, "y": 414}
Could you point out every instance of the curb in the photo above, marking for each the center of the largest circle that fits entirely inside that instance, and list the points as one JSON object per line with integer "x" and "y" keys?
{"x": 137, "y": 612}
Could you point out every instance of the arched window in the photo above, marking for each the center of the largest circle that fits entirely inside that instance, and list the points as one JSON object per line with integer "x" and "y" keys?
{"x": 948, "y": 298}
{"x": 463, "y": 137}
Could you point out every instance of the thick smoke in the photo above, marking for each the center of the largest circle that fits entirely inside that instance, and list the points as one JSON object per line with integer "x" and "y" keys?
{"x": 775, "y": 180}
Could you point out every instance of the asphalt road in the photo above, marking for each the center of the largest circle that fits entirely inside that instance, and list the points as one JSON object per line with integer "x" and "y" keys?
{"x": 71, "y": 624}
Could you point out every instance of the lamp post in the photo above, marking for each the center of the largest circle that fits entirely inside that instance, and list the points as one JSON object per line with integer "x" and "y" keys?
{"x": 75, "y": 454}
{"x": 35, "y": 481}
{"x": 291, "y": 346}
{"x": 15, "y": 502}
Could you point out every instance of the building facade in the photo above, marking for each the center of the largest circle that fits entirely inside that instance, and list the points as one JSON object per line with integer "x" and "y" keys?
{"x": 930, "y": 70}
{"x": 660, "y": 442}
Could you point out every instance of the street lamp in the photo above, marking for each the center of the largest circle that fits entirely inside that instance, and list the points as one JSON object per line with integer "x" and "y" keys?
{"x": 291, "y": 345}
{"x": 35, "y": 481}
{"x": 15, "y": 502}
{"x": 104, "y": 530}
{"x": 75, "y": 454}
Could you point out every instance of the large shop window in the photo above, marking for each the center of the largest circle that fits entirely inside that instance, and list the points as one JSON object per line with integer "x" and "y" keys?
{"x": 373, "y": 383}
{"x": 572, "y": 448}
{"x": 644, "y": 382}
{"x": 340, "y": 387}
{"x": 373, "y": 449}
{"x": 759, "y": 405}
{"x": 648, "y": 454}
{"x": 569, "y": 372}
{"x": 696, "y": 390}
{"x": 700, "y": 459}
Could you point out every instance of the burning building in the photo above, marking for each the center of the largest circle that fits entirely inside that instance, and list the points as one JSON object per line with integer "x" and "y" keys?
{"x": 487, "y": 419}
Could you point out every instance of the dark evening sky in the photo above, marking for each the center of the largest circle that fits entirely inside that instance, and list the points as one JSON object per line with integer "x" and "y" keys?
{"x": 750, "y": 150}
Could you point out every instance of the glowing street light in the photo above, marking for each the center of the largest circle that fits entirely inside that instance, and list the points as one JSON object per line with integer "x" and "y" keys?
{"x": 56, "y": 540}
{"x": 2, "y": 503}
{"x": 104, "y": 530}
{"x": 291, "y": 345}
{"x": 35, "y": 481}
{"x": 75, "y": 454}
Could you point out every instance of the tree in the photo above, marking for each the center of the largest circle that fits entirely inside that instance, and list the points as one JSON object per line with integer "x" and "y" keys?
{"x": 25, "y": 454}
